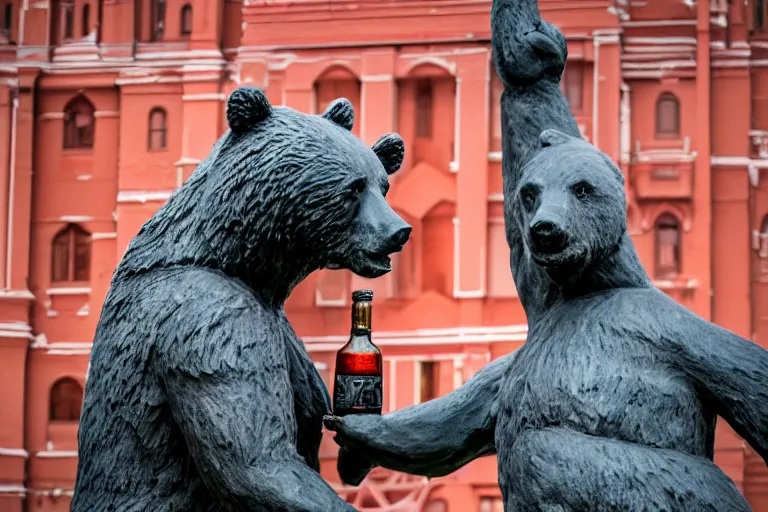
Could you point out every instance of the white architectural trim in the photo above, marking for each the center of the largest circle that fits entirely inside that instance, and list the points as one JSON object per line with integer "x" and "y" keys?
{"x": 75, "y": 218}
{"x": 143, "y": 196}
{"x": 57, "y": 454}
{"x": 18, "y": 490}
{"x": 377, "y": 78}
{"x": 103, "y": 236}
{"x": 204, "y": 97}
{"x": 596, "y": 90}
{"x": 106, "y": 113}
{"x": 48, "y": 116}
{"x": 12, "y": 178}
{"x": 457, "y": 129}
{"x": 738, "y": 161}
{"x": 64, "y": 290}
{"x": 14, "y": 452}
{"x": 392, "y": 385}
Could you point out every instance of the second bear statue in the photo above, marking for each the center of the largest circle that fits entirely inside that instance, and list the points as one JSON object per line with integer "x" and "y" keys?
{"x": 611, "y": 403}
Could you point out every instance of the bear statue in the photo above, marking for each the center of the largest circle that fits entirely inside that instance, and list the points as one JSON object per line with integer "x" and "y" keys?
{"x": 611, "y": 403}
{"x": 200, "y": 395}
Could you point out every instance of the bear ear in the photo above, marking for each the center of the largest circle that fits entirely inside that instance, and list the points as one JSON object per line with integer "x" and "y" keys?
{"x": 341, "y": 112}
{"x": 551, "y": 137}
{"x": 390, "y": 149}
{"x": 247, "y": 107}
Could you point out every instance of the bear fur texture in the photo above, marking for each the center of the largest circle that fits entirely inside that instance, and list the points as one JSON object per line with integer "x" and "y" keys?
{"x": 200, "y": 395}
{"x": 611, "y": 403}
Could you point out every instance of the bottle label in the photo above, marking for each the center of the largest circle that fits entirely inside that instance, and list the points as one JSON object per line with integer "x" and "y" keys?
{"x": 357, "y": 391}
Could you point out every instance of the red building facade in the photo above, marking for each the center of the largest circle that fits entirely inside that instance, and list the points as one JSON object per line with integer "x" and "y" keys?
{"x": 107, "y": 106}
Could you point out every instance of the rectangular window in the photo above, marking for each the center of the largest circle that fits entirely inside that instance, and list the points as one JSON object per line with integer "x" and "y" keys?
{"x": 424, "y": 109}
{"x": 430, "y": 381}
{"x": 572, "y": 85}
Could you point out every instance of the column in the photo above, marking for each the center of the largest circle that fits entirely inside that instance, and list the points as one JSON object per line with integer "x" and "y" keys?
{"x": 471, "y": 154}
{"x": 606, "y": 100}
{"x": 206, "y": 25}
{"x": 201, "y": 100}
{"x": 21, "y": 189}
{"x": 701, "y": 230}
{"x": 378, "y": 95}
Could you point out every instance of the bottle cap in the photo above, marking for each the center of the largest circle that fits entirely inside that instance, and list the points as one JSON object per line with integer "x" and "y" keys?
{"x": 362, "y": 296}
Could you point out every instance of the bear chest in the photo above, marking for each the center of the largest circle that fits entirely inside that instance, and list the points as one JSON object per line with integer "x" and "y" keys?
{"x": 580, "y": 376}
{"x": 311, "y": 400}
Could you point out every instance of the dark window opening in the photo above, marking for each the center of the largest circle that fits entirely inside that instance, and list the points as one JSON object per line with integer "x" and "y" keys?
{"x": 158, "y": 20}
{"x": 157, "y": 130}
{"x": 66, "y": 400}
{"x": 71, "y": 255}
{"x": 7, "y": 18}
{"x": 68, "y": 13}
{"x": 86, "y": 20}
{"x": 78, "y": 124}
{"x": 668, "y": 253}
{"x": 429, "y": 380}
{"x": 667, "y": 117}
{"x": 760, "y": 14}
{"x": 186, "y": 20}
{"x": 572, "y": 84}
{"x": 424, "y": 108}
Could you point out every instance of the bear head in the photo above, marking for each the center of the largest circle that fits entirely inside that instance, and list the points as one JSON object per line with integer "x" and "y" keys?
{"x": 571, "y": 205}
{"x": 280, "y": 195}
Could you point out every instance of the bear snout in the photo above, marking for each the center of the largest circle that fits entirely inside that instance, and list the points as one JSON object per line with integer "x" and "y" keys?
{"x": 548, "y": 237}
{"x": 401, "y": 236}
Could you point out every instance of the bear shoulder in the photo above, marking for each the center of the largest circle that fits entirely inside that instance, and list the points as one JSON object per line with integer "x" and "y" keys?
{"x": 207, "y": 322}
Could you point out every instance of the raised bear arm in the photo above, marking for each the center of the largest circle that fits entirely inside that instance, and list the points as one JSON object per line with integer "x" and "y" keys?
{"x": 236, "y": 414}
{"x": 732, "y": 373}
{"x": 432, "y": 439}
{"x": 529, "y": 56}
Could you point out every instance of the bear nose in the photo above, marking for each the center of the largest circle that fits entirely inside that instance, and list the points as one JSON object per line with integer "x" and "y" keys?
{"x": 401, "y": 236}
{"x": 548, "y": 237}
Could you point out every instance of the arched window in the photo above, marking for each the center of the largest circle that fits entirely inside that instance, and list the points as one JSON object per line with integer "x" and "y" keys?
{"x": 186, "y": 20}
{"x": 71, "y": 255}
{"x": 158, "y": 19}
{"x": 667, "y": 247}
{"x": 667, "y": 117}
{"x": 424, "y": 108}
{"x": 157, "y": 130}
{"x": 78, "y": 124}
{"x": 86, "y": 20}
{"x": 66, "y": 400}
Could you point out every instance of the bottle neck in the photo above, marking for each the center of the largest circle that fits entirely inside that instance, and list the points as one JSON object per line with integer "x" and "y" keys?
{"x": 361, "y": 318}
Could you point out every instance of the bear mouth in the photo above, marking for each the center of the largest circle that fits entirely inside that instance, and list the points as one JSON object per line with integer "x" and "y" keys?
{"x": 373, "y": 265}
{"x": 368, "y": 265}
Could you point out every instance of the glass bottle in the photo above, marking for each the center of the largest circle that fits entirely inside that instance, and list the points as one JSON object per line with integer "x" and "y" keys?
{"x": 358, "y": 383}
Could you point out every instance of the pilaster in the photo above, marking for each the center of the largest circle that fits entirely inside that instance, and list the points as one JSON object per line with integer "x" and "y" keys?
{"x": 206, "y": 25}
{"x": 471, "y": 154}
{"x": 201, "y": 100}
{"x": 701, "y": 231}
{"x": 606, "y": 99}
{"x": 378, "y": 94}
{"x": 20, "y": 187}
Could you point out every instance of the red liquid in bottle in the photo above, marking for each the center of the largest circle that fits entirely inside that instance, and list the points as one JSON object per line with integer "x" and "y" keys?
{"x": 358, "y": 383}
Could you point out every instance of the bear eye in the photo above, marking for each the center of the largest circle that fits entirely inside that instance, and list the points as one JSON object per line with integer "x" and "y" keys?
{"x": 357, "y": 187}
{"x": 582, "y": 189}
{"x": 528, "y": 195}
